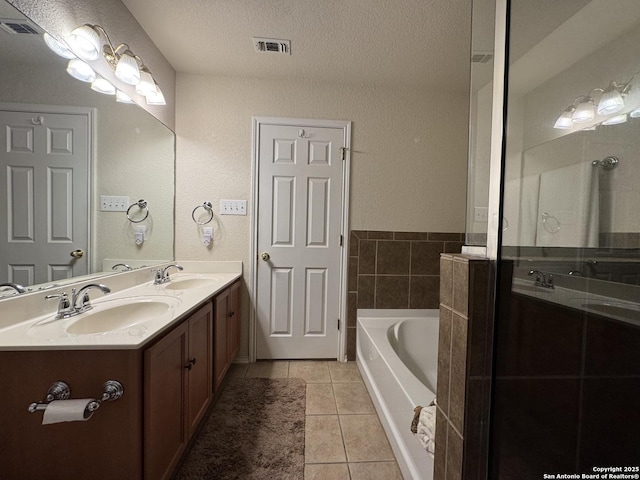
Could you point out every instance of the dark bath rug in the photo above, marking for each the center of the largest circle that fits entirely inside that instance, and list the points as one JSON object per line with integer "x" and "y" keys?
{"x": 254, "y": 432}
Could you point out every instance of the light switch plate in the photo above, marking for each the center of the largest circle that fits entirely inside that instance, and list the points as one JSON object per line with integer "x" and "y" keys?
{"x": 111, "y": 203}
{"x": 233, "y": 207}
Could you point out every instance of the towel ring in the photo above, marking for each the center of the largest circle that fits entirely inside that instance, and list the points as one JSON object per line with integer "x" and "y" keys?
{"x": 142, "y": 205}
{"x": 207, "y": 206}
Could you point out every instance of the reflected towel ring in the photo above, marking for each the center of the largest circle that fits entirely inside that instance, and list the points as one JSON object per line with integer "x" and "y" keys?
{"x": 207, "y": 206}
{"x": 550, "y": 223}
{"x": 142, "y": 205}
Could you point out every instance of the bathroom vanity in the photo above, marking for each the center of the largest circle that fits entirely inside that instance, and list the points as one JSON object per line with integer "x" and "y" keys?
{"x": 169, "y": 376}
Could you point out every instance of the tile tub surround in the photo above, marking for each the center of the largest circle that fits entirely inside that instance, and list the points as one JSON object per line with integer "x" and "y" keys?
{"x": 463, "y": 367}
{"x": 343, "y": 436}
{"x": 394, "y": 270}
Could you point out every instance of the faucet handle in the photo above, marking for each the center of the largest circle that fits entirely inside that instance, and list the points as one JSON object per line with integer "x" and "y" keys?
{"x": 539, "y": 276}
{"x": 63, "y": 303}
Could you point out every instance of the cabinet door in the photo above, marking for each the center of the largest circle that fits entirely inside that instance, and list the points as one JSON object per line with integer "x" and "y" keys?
{"x": 199, "y": 365}
{"x": 165, "y": 429}
{"x": 233, "y": 322}
{"x": 220, "y": 356}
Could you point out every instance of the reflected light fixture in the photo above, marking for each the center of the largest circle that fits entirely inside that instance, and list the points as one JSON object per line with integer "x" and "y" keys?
{"x": 127, "y": 69}
{"x": 635, "y": 113}
{"x": 616, "y": 120}
{"x": 156, "y": 97}
{"x": 565, "y": 121}
{"x": 85, "y": 42}
{"x": 80, "y": 70}
{"x": 123, "y": 97}
{"x": 611, "y": 100}
{"x": 585, "y": 110}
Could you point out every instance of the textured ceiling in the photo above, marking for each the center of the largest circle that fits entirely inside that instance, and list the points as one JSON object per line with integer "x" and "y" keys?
{"x": 400, "y": 42}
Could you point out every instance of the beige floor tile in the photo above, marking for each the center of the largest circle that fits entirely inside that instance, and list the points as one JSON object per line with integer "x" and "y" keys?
{"x": 310, "y": 372}
{"x": 364, "y": 438}
{"x": 344, "y": 372}
{"x": 268, "y": 370}
{"x": 322, "y": 440}
{"x": 375, "y": 471}
{"x": 320, "y": 399}
{"x": 352, "y": 398}
{"x": 238, "y": 370}
{"x": 326, "y": 471}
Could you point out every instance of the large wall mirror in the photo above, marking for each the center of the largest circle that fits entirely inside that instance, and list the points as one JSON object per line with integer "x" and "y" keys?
{"x": 64, "y": 147}
{"x": 572, "y": 169}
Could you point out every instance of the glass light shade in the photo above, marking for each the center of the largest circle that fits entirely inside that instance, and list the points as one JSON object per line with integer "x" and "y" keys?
{"x": 615, "y": 120}
{"x": 80, "y": 70}
{"x": 58, "y": 47}
{"x": 584, "y": 112}
{"x": 102, "y": 85}
{"x": 635, "y": 113}
{"x": 127, "y": 70}
{"x": 611, "y": 100}
{"x": 147, "y": 85}
{"x": 123, "y": 97}
{"x": 85, "y": 42}
{"x": 156, "y": 98}
{"x": 564, "y": 121}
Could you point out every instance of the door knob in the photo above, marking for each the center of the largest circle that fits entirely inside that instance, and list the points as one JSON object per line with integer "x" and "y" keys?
{"x": 265, "y": 256}
{"x": 79, "y": 253}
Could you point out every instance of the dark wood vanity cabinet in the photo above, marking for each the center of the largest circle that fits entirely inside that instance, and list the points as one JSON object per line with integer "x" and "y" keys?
{"x": 177, "y": 391}
{"x": 226, "y": 331}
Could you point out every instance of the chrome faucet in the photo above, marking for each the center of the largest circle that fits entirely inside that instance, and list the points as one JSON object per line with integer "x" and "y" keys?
{"x": 126, "y": 267}
{"x": 544, "y": 280}
{"x": 162, "y": 274}
{"x": 79, "y": 302}
{"x": 18, "y": 288}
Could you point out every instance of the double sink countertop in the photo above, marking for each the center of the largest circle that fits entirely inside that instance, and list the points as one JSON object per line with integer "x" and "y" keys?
{"x": 135, "y": 312}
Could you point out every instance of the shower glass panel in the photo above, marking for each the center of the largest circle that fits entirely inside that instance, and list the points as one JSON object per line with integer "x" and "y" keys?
{"x": 567, "y": 344}
{"x": 482, "y": 36}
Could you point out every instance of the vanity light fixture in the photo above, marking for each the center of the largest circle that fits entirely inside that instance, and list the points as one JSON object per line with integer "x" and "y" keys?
{"x": 88, "y": 42}
{"x": 635, "y": 113}
{"x": 565, "y": 121}
{"x": 611, "y": 100}
{"x": 585, "y": 111}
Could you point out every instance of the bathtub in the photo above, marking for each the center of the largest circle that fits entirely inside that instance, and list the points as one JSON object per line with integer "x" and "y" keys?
{"x": 397, "y": 354}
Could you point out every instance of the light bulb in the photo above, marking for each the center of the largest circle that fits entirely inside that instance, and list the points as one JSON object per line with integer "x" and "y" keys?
{"x": 102, "y": 85}
{"x": 58, "y": 47}
{"x": 564, "y": 121}
{"x": 85, "y": 42}
{"x": 156, "y": 98}
{"x": 611, "y": 100}
{"x": 127, "y": 70}
{"x": 147, "y": 85}
{"x": 584, "y": 112}
{"x": 635, "y": 113}
{"x": 80, "y": 70}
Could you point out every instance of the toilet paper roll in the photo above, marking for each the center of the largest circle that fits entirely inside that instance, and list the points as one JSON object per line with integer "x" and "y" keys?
{"x": 67, "y": 411}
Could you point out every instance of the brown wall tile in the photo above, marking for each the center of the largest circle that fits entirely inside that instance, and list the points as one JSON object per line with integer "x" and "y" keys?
{"x": 453, "y": 247}
{"x": 353, "y": 275}
{"x": 454, "y": 455}
{"x": 366, "y": 291}
{"x": 393, "y": 258}
{"x": 446, "y": 237}
{"x": 440, "y": 454}
{"x": 392, "y": 291}
{"x": 423, "y": 292}
{"x": 352, "y": 310}
{"x": 444, "y": 359}
{"x": 367, "y": 258}
{"x": 377, "y": 235}
{"x": 461, "y": 286}
{"x": 446, "y": 280}
{"x": 425, "y": 258}
{"x": 354, "y": 244}
{"x": 411, "y": 236}
{"x": 351, "y": 343}
{"x": 458, "y": 375}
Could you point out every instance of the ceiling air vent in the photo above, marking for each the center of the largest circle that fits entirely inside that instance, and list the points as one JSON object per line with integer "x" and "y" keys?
{"x": 23, "y": 27}
{"x": 272, "y": 45}
{"x": 481, "y": 57}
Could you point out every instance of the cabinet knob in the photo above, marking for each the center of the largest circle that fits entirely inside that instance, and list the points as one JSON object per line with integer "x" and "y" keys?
{"x": 190, "y": 364}
{"x": 231, "y": 314}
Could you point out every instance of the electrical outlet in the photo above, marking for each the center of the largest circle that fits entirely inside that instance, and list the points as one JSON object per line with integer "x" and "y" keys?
{"x": 111, "y": 203}
{"x": 480, "y": 214}
{"x": 233, "y": 207}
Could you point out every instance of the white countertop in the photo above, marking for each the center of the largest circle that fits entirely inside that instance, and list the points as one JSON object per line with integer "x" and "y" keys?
{"x": 20, "y": 329}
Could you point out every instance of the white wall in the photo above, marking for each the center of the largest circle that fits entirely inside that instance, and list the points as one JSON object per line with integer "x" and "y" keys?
{"x": 409, "y": 154}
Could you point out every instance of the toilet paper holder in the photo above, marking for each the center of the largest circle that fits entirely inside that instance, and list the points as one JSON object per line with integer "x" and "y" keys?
{"x": 112, "y": 390}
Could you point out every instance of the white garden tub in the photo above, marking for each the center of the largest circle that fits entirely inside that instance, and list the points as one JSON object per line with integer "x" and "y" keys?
{"x": 398, "y": 357}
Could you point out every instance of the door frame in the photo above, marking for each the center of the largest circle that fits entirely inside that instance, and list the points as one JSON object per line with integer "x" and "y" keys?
{"x": 90, "y": 113}
{"x": 345, "y": 125}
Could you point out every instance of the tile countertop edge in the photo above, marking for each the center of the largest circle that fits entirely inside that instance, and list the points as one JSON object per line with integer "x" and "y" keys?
{"x": 232, "y": 271}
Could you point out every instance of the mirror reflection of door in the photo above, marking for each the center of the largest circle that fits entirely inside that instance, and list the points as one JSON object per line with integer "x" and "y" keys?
{"x": 44, "y": 209}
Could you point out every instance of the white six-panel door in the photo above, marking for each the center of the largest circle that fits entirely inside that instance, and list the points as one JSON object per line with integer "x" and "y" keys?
{"x": 300, "y": 188}
{"x": 44, "y": 169}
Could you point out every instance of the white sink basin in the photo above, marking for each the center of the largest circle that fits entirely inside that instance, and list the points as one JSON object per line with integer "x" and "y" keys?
{"x": 126, "y": 315}
{"x": 615, "y": 309}
{"x": 183, "y": 282}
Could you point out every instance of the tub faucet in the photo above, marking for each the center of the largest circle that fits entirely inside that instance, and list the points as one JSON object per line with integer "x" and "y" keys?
{"x": 80, "y": 300}
{"x": 162, "y": 274}
{"x": 544, "y": 280}
{"x": 18, "y": 288}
